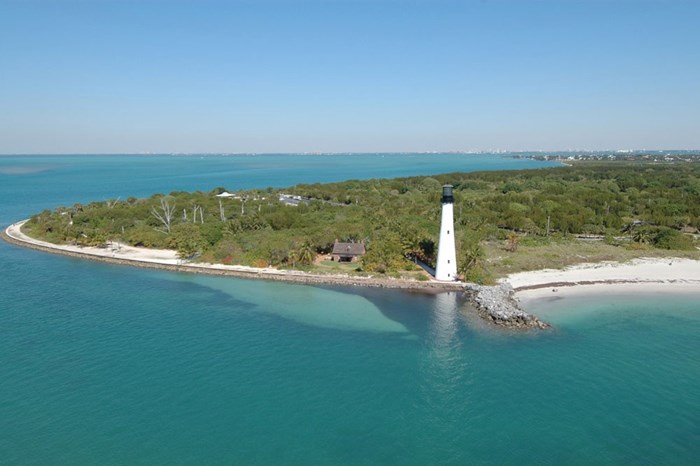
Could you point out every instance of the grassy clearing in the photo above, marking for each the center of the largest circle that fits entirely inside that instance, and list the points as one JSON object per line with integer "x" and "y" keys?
{"x": 354, "y": 268}
{"x": 328, "y": 266}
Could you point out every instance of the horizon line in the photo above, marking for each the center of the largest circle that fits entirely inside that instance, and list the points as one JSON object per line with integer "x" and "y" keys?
{"x": 467, "y": 152}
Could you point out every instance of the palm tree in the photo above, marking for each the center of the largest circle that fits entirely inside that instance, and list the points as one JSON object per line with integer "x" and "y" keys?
{"x": 473, "y": 257}
{"x": 293, "y": 257}
{"x": 642, "y": 235}
{"x": 306, "y": 253}
{"x": 411, "y": 246}
{"x": 473, "y": 267}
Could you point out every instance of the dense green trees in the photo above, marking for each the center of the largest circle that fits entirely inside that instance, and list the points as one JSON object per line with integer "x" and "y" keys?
{"x": 384, "y": 253}
{"x": 397, "y": 218}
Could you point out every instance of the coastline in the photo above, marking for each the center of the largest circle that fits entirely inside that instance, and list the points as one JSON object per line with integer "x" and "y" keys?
{"x": 165, "y": 259}
{"x": 646, "y": 275}
{"x": 502, "y": 304}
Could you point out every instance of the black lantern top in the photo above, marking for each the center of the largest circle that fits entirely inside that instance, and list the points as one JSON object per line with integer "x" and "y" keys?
{"x": 447, "y": 197}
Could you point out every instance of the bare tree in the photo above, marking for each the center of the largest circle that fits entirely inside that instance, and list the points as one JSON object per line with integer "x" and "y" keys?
{"x": 164, "y": 214}
{"x": 221, "y": 211}
{"x": 195, "y": 209}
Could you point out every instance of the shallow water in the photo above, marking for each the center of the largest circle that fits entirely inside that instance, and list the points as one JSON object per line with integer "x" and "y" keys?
{"x": 110, "y": 364}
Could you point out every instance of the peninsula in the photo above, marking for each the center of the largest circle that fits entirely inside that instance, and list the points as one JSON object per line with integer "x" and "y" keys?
{"x": 498, "y": 303}
{"x": 505, "y": 223}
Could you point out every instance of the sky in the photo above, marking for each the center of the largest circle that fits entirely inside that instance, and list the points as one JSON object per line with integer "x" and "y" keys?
{"x": 120, "y": 76}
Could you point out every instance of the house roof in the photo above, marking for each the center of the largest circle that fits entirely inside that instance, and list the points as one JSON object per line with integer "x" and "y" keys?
{"x": 349, "y": 249}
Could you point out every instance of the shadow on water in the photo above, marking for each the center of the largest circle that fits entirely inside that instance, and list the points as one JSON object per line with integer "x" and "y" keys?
{"x": 309, "y": 305}
{"x": 417, "y": 311}
{"x": 411, "y": 308}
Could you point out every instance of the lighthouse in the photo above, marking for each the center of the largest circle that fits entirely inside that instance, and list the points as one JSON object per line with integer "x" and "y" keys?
{"x": 446, "y": 269}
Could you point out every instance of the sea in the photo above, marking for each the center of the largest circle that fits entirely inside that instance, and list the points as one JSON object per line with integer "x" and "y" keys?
{"x": 107, "y": 364}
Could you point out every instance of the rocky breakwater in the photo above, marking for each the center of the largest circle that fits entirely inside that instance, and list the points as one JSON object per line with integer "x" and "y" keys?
{"x": 498, "y": 305}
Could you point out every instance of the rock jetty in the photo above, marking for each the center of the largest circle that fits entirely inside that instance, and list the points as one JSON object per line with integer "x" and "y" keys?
{"x": 498, "y": 305}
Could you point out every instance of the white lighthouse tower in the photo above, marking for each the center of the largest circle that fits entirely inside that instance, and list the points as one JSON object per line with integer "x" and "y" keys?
{"x": 446, "y": 269}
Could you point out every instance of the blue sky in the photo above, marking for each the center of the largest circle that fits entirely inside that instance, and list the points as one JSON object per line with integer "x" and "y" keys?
{"x": 113, "y": 76}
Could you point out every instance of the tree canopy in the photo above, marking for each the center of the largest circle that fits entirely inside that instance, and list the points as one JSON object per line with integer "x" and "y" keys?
{"x": 397, "y": 218}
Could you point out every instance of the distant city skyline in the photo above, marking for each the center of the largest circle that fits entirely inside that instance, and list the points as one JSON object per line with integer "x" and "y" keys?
{"x": 330, "y": 76}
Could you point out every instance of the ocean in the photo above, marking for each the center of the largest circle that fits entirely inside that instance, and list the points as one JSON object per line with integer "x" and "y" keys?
{"x": 106, "y": 364}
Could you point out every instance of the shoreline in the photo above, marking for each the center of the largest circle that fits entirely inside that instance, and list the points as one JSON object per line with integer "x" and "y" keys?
{"x": 644, "y": 275}
{"x": 500, "y": 304}
{"x": 492, "y": 303}
{"x": 164, "y": 259}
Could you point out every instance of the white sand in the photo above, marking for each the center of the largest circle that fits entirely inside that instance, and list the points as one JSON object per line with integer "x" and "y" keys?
{"x": 671, "y": 275}
{"x": 113, "y": 249}
{"x": 116, "y": 250}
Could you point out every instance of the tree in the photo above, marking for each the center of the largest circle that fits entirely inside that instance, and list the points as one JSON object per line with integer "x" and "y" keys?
{"x": 398, "y": 217}
{"x": 188, "y": 240}
{"x": 306, "y": 253}
{"x": 165, "y": 214}
{"x": 472, "y": 266}
{"x": 668, "y": 238}
{"x": 410, "y": 242}
{"x": 512, "y": 242}
{"x": 427, "y": 247}
{"x": 293, "y": 257}
{"x": 384, "y": 253}
{"x": 473, "y": 257}
{"x": 643, "y": 235}
{"x": 222, "y": 215}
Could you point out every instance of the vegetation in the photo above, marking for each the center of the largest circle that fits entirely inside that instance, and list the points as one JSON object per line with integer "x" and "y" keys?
{"x": 504, "y": 220}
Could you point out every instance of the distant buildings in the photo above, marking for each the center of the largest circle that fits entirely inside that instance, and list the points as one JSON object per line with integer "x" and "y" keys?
{"x": 293, "y": 200}
{"x": 630, "y": 156}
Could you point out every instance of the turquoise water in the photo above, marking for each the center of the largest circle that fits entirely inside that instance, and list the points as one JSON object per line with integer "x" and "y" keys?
{"x": 104, "y": 364}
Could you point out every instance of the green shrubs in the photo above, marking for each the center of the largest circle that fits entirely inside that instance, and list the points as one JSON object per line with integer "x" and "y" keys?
{"x": 400, "y": 218}
{"x": 662, "y": 238}
{"x": 667, "y": 238}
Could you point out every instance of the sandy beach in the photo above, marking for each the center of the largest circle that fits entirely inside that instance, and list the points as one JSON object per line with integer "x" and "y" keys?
{"x": 666, "y": 275}
{"x": 657, "y": 275}
{"x": 113, "y": 249}
{"x": 166, "y": 259}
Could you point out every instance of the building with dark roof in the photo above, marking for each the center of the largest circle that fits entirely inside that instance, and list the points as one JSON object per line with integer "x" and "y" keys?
{"x": 347, "y": 252}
